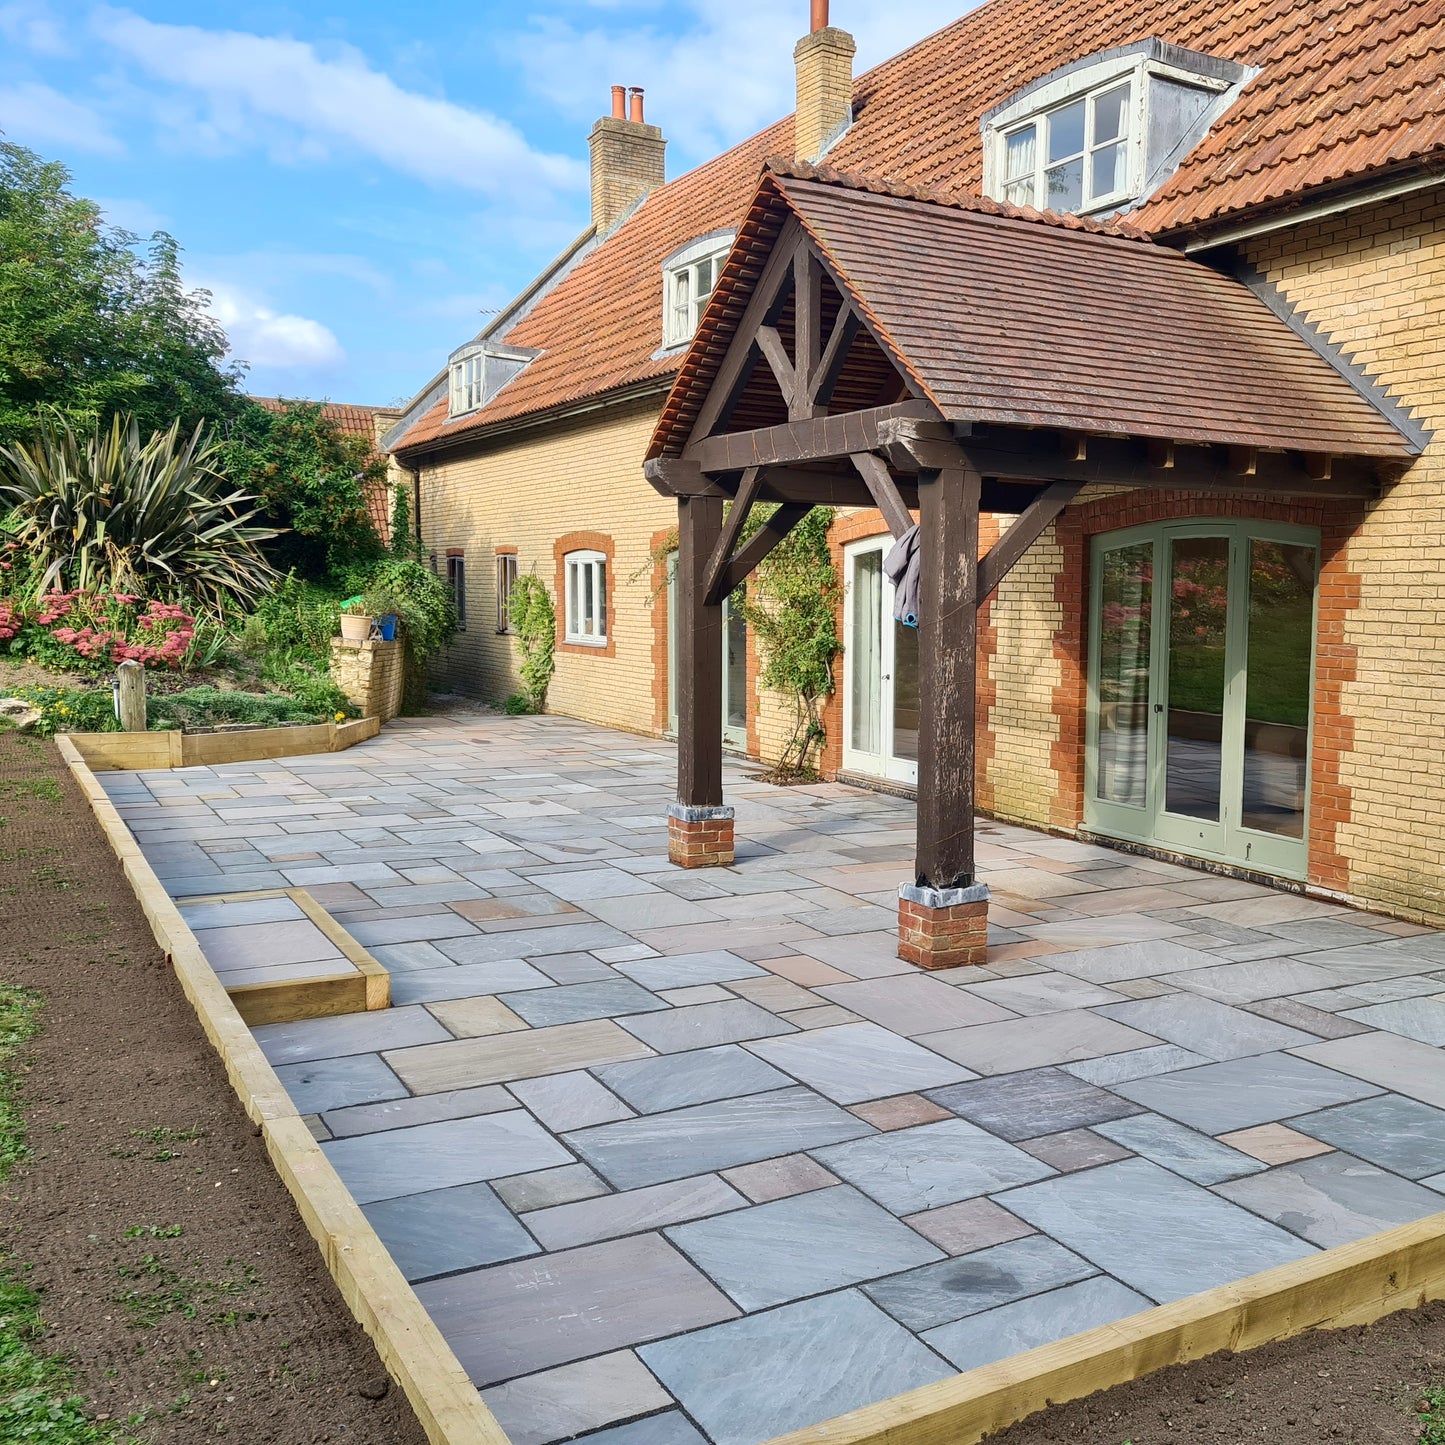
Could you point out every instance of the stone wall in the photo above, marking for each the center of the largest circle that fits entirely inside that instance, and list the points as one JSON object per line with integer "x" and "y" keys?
{"x": 371, "y": 674}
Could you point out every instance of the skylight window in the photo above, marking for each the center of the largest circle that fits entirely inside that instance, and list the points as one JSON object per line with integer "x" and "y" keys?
{"x": 688, "y": 278}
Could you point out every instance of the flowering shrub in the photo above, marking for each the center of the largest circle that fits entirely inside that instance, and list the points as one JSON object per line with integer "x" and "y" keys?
{"x": 87, "y": 632}
{"x": 10, "y": 621}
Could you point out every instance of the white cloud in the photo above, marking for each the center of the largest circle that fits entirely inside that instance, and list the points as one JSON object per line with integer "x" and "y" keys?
{"x": 35, "y": 114}
{"x": 305, "y": 106}
{"x": 262, "y": 336}
{"x": 31, "y": 27}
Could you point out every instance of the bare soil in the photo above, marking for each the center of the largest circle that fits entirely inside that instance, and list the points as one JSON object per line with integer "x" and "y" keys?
{"x": 172, "y": 1266}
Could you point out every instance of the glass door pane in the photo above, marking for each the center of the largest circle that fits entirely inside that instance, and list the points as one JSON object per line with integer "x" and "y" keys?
{"x": 1280, "y": 643}
{"x": 1197, "y": 674}
{"x": 1125, "y": 621}
{"x": 865, "y": 654}
{"x": 905, "y": 693}
{"x": 735, "y": 675}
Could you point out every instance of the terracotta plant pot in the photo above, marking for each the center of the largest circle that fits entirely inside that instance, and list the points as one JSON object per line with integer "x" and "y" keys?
{"x": 355, "y": 629}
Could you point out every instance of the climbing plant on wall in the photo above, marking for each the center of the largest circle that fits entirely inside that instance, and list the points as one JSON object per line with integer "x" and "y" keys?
{"x": 534, "y": 624}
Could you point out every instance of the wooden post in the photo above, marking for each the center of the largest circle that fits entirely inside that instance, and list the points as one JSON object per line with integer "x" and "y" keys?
{"x": 131, "y": 696}
{"x": 700, "y": 828}
{"x": 943, "y": 916}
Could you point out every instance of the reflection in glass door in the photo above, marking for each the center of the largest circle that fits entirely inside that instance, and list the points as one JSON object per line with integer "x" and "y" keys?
{"x": 1201, "y": 650}
{"x": 880, "y": 672}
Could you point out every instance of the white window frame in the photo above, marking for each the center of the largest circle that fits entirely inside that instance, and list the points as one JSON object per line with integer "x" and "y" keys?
{"x": 468, "y": 376}
{"x": 680, "y": 316}
{"x": 506, "y": 580}
{"x": 585, "y": 582}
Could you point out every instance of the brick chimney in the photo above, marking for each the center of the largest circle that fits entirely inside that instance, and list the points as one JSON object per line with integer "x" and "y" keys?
{"x": 824, "y": 62}
{"x": 627, "y": 159}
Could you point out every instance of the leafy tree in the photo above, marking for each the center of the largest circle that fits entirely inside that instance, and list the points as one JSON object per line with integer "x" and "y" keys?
{"x": 93, "y": 322}
{"x": 312, "y": 480}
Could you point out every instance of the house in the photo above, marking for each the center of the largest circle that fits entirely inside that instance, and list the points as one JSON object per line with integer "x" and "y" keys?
{"x": 1161, "y": 284}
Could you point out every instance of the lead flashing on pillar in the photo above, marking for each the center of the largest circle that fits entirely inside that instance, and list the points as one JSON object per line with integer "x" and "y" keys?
{"x": 943, "y": 897}
{"x": 686, "y": 813}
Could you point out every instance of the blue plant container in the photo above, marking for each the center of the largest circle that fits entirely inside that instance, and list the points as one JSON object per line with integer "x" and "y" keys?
{"x": 388, "y": 627}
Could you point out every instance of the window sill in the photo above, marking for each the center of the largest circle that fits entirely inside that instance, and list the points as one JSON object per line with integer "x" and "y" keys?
{"x": 594, "y": 642}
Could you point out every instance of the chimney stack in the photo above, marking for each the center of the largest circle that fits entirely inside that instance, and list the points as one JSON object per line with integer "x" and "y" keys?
{"x": 824, "y": 63}
{"x": 627, "y": 159}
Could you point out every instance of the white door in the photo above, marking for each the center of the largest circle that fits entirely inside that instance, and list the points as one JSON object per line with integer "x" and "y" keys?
{"x": 880, "y": 672}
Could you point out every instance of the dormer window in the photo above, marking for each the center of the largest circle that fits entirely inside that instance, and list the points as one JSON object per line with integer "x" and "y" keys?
{"x": 1100, "y": 135}
{"x": 479, "y": 371}
{"x": 688, "y": 277}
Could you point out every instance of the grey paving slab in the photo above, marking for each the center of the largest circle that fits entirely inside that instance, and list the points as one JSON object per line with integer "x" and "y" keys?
{"x": 569, "y": 1101}
{"x": 609, "y": 1216}
{"x": 589, "y": 883}
{"x": 684, "y": 970}
{"x": 1206, "y": 1026}
{"x": 548, "y": 1187}
{"x": 439, "y": 1156}
{"x": 937, "y": 1294}
{"x": 1037, "y": 1102}
{"x": 400, "y": 1112}
{"x": 1333, "y": 1198}
{"x": 561, "y": 1403}
{"x": 700, "y": 1026}
{"x": 669, "y": 1428}
{"x": 759, "y": 1377}
{"x": 447, "y": 1230}
{"x": 910, "y": 1170}
{"x": 1075, "y": 1149}
{"x": 1251, "y": 980}
{"x": 1136, "y": 1064}
{"x": 1055, "y": 1038}
{"x": 533, "y": 942}
{"x": 1042, "y": 993}
{"x": 442, "y": 924}
{"x": 452, "y": 980}
{"x": 1237, "y": 1094}
{"x": 803, "y": 1245}
{"x": 230, "y": 915}
{"x": 1185, "y": 1151}
{"x": 1025, "y": 1325}
{"x": 1400, "y": 1134}
{"x": 854, "y": 1062}
{"x": 719, "y": 1135}
{"x": 363, "y": 1033}
{"x": 515, "y": 1319}
{"x": 572, "y": 1003}
{"x": 1301, "y": 1016}
{"x": 1422, "y": 1019}
{"x": 913, "y": 1003}
{"x": 1130, "y": 960}
{"x": 1181, "y": 1239}
{"x": 335, "y": 1083}
{"x": 677, "y": 1080}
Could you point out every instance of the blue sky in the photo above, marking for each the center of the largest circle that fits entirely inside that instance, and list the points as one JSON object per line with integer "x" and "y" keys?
{"x": 359, "y": 184}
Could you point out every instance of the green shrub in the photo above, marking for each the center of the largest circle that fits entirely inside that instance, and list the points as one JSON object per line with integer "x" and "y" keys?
{"x": 71, "y": 709}
{"x": 518, "y": 705}
{"x": 534, "y": 621}
{"x": 296, "y": 619}
{"x": 210, "y": 706}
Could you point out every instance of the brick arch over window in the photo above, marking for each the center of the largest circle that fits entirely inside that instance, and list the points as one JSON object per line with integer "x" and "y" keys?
{"x": 584, "y": 542}
{"x": 1339, "y": 592}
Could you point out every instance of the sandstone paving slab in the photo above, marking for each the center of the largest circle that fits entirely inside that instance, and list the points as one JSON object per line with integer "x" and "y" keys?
{"x": 1333, "y": 1198}
{"x": 1184, "y": 1151}
{"x": 1026, "y": 1324}
{"x": 547, "y": 1187}
{"x": 937, "y": 1294}
{"x": 1034, "y": 1103}
{"x": 1074, "y": 1149}
{"x": 363, "y": 1033}
{"x": 910, "y": 1004}
{"x": 437, "y": 1156}
{"x": 1130, "y": 960}
{"x": 322, "y": 1084}
{"x": 1182, "y": 1238}
{"x": 779, "y": 1178}
{"x": 532, "y": 942}
{"x": 1239, "y": 1093}
{"x": 575, "y": 1002}
{"x": 720, "y": 1135}
{"x": 569, "y": 1101}
{"x": 1042, "y": 993}
{"x": 696, "y": 1077}
{"x": 701, "y": 1026}
{"x": 685, "y": 970}
{"x": 453, "y": 980}
{"x": 446, "y": 1230}
{"x": 634, "y": 1211}
{"x": 417, "y": 929}
{"x": 759, "y": 1377}
{"x": 1274, "y": 1143}
{"x": 476, "y": 1017}
{"x": 1056, "y": 1038}
{"x": 529, "y": 1315}
{"x": 911, "y": 1170}
{"x": 400, "y": 1112}
{"x": 899, "y": 1112}
{"x": 564, "y": 1402}
{"x": 974, "y": 1224}
{"x": 854, "y": 1062}
{"x": 1301, "y": 1016}
{"x": 1400, "y": 1134}
{"x": 1206, "y": 1026}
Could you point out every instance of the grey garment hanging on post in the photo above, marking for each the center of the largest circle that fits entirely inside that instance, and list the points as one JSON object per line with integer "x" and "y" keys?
{"x": 901, "y": 566}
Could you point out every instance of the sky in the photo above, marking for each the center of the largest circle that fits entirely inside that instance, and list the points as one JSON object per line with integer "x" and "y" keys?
{"x": 360, "y": 185}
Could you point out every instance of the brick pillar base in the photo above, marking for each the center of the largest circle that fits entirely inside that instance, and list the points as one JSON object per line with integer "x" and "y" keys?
{"x": 699, "y": 837}
{"x": 943, "y": 928}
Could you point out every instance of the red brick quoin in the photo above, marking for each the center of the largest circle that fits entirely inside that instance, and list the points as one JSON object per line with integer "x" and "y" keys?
{"x": 699, "y": 837}
{"x": 943, "y": 928}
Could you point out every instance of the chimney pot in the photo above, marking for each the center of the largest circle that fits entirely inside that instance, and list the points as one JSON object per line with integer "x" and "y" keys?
{"x": 619, "y": 102}
{"x": 819, "y": 16}
{"x": 637, "y": 104}
{"x": 628, "y": 159}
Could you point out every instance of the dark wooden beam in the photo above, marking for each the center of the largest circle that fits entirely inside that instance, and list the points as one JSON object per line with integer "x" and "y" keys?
{"x": 919, "y": 442}
{"x": 1026, "y": 530}
{"x": 699, "y": 657}
{"x": 884, "y": 491}
{"x": 830, "y": 365}
{"x": 947, "y": 636}
{"x": 823, "y": 438}
{"x": 807, "y": 331}
{"x": 776, "y": 355}
{"x": 773, "y": 531}
{"x": 676, "y": 477}
{"x": 727, "y": 539}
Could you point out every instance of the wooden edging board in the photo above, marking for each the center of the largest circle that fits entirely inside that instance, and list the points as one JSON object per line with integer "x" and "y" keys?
{"x": 126, "y": 752}
{"x": 368, "y": 987}
{"x": 447, "y": 1404}
{"x": 1351, "y": 1284}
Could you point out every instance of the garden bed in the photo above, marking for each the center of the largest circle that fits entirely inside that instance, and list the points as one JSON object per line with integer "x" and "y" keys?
{"x": 127, "y": 752}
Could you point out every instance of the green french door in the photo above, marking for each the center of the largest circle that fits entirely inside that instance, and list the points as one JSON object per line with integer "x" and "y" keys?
{"x": 1201, "y": 668}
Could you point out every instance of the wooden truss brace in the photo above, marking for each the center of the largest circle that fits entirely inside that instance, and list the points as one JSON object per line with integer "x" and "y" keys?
{"x": 884, "y": 491}
{"x": 727, "y": 570}
{"x": 1028, "y": 526}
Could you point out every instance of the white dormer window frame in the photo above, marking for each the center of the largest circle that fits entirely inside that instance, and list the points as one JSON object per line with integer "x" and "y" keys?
{"x": 1077, "y": 141}
{"x": 478, "y": 371}
{"x": 468, "y": 379}
{"x": 688, "y": 278}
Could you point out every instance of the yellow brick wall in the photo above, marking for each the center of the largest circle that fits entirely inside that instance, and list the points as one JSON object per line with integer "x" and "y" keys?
{"x": 525, "y": 491}
{"x": 1374, "y": 280}
{"x": 824, "y": 66}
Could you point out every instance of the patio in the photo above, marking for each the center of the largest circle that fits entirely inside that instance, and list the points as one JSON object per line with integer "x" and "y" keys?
{"x": 692, "y": 1154}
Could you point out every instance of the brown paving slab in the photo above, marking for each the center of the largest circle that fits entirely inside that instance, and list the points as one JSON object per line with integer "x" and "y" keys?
{"x": 1131, "y": 900}
{"x": 775, "y": 994}
{"x": 486, "y": 910}
{"x": 1274, "y": 1143}
{"x": 819, "y": 1018}
{"x": 974, "y": 1224}
{"x": 476, "y": 1017}
{"x": 1301, "y": 1016}
{"x": 779, "y": 1178}
{"x": 338, "y": 895}
{"x": 899, "y": 1112}
{"x": 1074, "y": 1149}
{"x": 733, "y": 935}
{"x": 804, "y": 970}
{"x": 499, "y": 1058}
{"x": 1021, "y": 952}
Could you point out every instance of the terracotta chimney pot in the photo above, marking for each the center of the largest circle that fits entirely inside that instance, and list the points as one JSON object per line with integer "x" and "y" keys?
{"x": 628, "y": 160}
{"x": 619, "y": 102}
{"x": 636, "y": 116}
